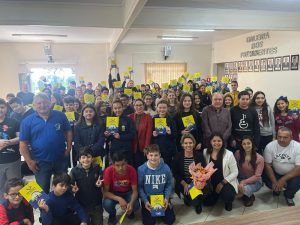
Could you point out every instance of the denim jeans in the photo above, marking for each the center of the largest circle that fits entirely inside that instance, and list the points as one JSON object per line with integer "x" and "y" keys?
{"x": 292, "y": 185}
{"x": 46, "y": 169}
{"x": 110, "y": 205}
{"x": 251, "y": 188}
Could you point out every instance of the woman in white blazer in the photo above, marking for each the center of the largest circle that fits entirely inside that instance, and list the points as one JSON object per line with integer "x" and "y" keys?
{"x": 224, "y": 181}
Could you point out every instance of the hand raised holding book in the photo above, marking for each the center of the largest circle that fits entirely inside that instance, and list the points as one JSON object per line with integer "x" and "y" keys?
{"x": 42, "y": 205}
{"x": 148, "y": 206}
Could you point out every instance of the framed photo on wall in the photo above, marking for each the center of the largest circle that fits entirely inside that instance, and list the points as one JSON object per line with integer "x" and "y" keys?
{"x": 286, "y": 63}
{"x": 226, "y": 68}
{"x": 231, "y": 67}
{"x": 294, "y": 62}
{"x": 250, "y": 65}
{"x": 263, "y": 65}
{"x": 245, "y": 66}
{"x": 270, "y": 64}
{"x": 240, "y": 66}
{"x": 256, "y": 65}
{"x": 278, "y": 63}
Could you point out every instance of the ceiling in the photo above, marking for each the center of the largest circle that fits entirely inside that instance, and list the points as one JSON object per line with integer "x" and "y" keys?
{"x": 142, "y": 21}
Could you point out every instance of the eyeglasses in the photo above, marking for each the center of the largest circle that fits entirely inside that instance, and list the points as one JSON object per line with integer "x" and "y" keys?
{"x": 14, "y": 195}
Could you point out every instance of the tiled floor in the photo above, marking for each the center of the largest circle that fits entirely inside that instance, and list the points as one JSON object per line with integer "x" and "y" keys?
{"x": 185, "y": 215}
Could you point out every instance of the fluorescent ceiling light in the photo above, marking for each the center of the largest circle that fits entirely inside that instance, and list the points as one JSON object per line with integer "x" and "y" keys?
{"x": 39, "y": 35}
{"x": 196, "y": 30}
{"x": 177, "y": 38}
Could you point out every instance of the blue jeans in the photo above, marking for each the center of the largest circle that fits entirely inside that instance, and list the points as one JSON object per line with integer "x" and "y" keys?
{"x": 110, "y": 205}
{"x": 251, "y": 188}
{"x": 46, "y": 169}
{"x": 292, "y": 185}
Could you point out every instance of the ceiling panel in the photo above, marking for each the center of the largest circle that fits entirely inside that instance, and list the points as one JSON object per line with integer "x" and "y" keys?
{"x": 106, "y": 2}
{"x": 150, "y": 36}
{"x": 271, "y": 5}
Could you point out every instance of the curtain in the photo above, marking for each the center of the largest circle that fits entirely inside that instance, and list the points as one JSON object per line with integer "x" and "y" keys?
{"x": 164, "y": 72}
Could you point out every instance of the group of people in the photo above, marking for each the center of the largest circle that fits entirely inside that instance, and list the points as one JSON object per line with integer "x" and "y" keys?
{"x": 248, "y": 142}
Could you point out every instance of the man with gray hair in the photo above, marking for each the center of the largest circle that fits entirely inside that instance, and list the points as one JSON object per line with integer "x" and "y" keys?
{"x": 282, "y": 165}
{"x": 46, "y": 131}
{"x": 216, "y": 119}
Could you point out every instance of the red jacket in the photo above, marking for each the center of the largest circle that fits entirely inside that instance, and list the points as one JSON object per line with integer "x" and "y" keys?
{"x": 144, "y": 132}
{"x": 14, "y": 216}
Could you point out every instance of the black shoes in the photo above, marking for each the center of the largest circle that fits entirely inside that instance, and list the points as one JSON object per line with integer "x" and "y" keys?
{"x": 228, "y": 206}
{"x": 198, "y": 209}
{"x": 131, "y": 216}
{"x": 248, "y": 201}
{"x": 112, "y": 220}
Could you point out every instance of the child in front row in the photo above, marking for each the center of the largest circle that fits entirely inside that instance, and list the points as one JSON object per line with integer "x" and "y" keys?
{"x": 86, "y": 180}
{"x": 154, "y": 178}
{"x": 14, "y": 209}
{"x": 59, "y": 208}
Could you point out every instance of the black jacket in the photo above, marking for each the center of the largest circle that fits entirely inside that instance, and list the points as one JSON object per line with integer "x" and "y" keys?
{"x": 92, "y": 136}
{"x": 88, "y": 195}
{"x": 178, "y": 168}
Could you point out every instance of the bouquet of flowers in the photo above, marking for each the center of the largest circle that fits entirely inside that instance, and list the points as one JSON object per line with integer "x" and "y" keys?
{"x": 200, "y": 174}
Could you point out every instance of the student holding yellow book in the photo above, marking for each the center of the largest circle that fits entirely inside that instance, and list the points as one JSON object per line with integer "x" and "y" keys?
{"x": 164, "y": 132}
{"x": 155, "y": 182}
{"x": 188, "y": 121}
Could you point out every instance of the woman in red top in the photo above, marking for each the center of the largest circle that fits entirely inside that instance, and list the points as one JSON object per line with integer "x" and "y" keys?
{"x": 143, "y": 124}
{"x": 283, "y": 119}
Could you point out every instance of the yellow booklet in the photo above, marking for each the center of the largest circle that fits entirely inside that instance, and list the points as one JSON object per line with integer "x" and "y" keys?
{"x": 33, "y": 193}
{"x": 160, "y": 125}
{"x": 58, "y": 108}
{"x": 113, "y": 63}
{"x": 70, "y": 116}
{"x": 98, "y": 160}
{"x": 137, "y": 95}
{"x": 112, "y": 124}
{"x": 165, "y": 86}
{"x": 173, "y": 83}
{"x": 157, "y": 203}
{"x": 194, "y": 192}
{"x": 128, "y": 91}
{"x": 89, "y": 98}
{"x": 118, "y": 84}
{"x": 138, "y": 86}
{"x": 294, "y": 104}
{"x": 104, "y": 97}
{"x": 181, "y": 80}
{"x": 214, "y": 78}
{"x": 225, "y": 80}
{"x": 186, "y": 88}
{"x": 189, "y": 122}
{"x": 103, "y": 83}
{"x": 208, "y": 89}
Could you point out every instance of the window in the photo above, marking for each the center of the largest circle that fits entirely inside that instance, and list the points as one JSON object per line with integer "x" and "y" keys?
{"x": 164, "y": 72}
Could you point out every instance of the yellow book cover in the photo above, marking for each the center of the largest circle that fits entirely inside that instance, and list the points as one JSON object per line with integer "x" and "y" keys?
{"x": 294, "y": 104}
{"x": 98, "y": 160}
{"x": 89, "y": 98}
{"x": 194, "y": 192}
{"x": 113, "y": 63}
{"x": 58, "y": 108}
{"x": 128, "y": 91}
{"x": 33, "y": 193}
{"x": 190, "y": 77}
{"x": 112, "y": 124}
{"x": 118, "y": 84}
{"x": 104, "y": 97}
{"x": 225, "y": 80}
{"x": 103, "y": 83}
{"x": 153, "y": 90}
{"x": 186, "y": 74}
{"x": 157, "y": 203}
{"x": 70, "y": 116}
{"x": 186, "y": 88}
{"x": 214, "y": 78}
{"x": 138, "y": 86}
{"x": 189, "y": 122}
{"x": 160, "y": 125}
{"x": 173, "y": 83}
{"x": 208, "y": 89}
{"x": 181, "y": 80}
{"x": 165, "y": 86}
{"x": 126, "y": 75}
{"x": 137, "y": 95}
{"x": 81, "y": 78}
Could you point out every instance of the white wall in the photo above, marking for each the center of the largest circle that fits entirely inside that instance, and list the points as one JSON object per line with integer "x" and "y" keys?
{"x": 197, "y": 57}
{"x": 88, "y": 60}
{"x": 274, "y": 84}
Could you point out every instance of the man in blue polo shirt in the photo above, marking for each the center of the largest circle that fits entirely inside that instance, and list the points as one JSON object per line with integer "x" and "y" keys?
{"x": 46, "y": 131}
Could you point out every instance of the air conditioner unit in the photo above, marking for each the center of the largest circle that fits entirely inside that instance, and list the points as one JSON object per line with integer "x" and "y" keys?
{"x": 167, "y": 51}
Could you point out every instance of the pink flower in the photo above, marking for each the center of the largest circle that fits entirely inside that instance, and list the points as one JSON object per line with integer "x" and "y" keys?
{"x": 200, "y": 174}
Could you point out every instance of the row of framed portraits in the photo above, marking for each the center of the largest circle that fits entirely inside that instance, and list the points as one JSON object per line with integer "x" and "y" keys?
{"x": 280, "y": 63}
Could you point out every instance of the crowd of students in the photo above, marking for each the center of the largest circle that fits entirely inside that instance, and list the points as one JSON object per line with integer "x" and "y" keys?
{"x": 235, "y": 130}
